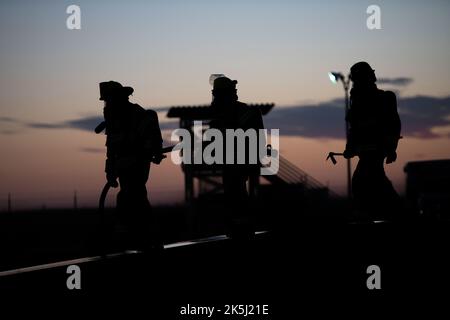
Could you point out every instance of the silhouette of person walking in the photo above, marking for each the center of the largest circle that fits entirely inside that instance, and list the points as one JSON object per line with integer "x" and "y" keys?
{"x": 232, "y": 114}
{"x": 133, "y": 141}
{"x": 374, "y": 131}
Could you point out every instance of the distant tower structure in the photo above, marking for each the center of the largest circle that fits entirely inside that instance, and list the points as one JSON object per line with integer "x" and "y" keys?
{"x": 209, "y": 177}
{"x": 9, "y": 203}
{"x": 75, "y": 200}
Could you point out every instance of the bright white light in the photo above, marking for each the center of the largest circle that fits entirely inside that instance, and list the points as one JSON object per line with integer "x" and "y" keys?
{"x": 332, "y": 77}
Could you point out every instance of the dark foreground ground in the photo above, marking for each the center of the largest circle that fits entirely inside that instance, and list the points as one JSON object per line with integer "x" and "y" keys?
{"x": 294, "y": 269}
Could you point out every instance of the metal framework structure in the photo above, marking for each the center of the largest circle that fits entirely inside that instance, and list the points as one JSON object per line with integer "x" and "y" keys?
{"x": 202, "y": 179}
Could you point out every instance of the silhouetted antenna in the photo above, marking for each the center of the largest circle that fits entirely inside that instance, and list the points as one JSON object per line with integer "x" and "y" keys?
{"x": 75, "y": 200}
{"x": 9, "y": 203}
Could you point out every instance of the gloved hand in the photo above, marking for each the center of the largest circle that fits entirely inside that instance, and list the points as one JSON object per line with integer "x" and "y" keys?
{"x": 348, "y": 153}
{"x": 158, "y": 158}
{"x": 391, "y": 157}
{"x": 112, "y": 180}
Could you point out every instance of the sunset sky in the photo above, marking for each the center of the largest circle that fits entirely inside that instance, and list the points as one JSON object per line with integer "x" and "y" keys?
{"x": 279, "y": 51}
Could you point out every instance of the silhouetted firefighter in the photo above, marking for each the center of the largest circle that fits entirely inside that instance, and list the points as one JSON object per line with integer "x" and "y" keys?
{"x": 133, "y": 141}
{"x": 374, "y": 126}
{"x": 232, "y": 114}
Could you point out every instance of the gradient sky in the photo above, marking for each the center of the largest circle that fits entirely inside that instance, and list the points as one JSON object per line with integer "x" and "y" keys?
{"x": 280, "y": 51}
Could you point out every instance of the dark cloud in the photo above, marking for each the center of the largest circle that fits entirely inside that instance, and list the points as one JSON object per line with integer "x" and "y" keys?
{"x": 326, "y": 120}
{"x": 419, "y": 116}
{"x": 422, "y": 113}
{"x": 7, "y": 132}
{"x": 88, "y": 124}
{"x": 8, "y": 119}
{"x": 161, "y": 109}
{"x": 169, "y": 125}
{"x": 322, "y": 120}
{"x": 92, "y": 150}
{"x": 39, "y": 125}
{"x": 401, "y": 81}
{"x": 9, "y": 125}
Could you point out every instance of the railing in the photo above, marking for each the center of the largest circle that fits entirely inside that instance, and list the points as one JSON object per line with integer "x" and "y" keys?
{"x": 289, "y": 174}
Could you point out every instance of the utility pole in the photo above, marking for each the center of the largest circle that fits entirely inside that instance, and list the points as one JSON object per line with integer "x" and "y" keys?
{"x": 9, "y": 203}
{"x": 346, "y": 84}
{"x": 75, "y": 200}
{"x": 336, "y": 77}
